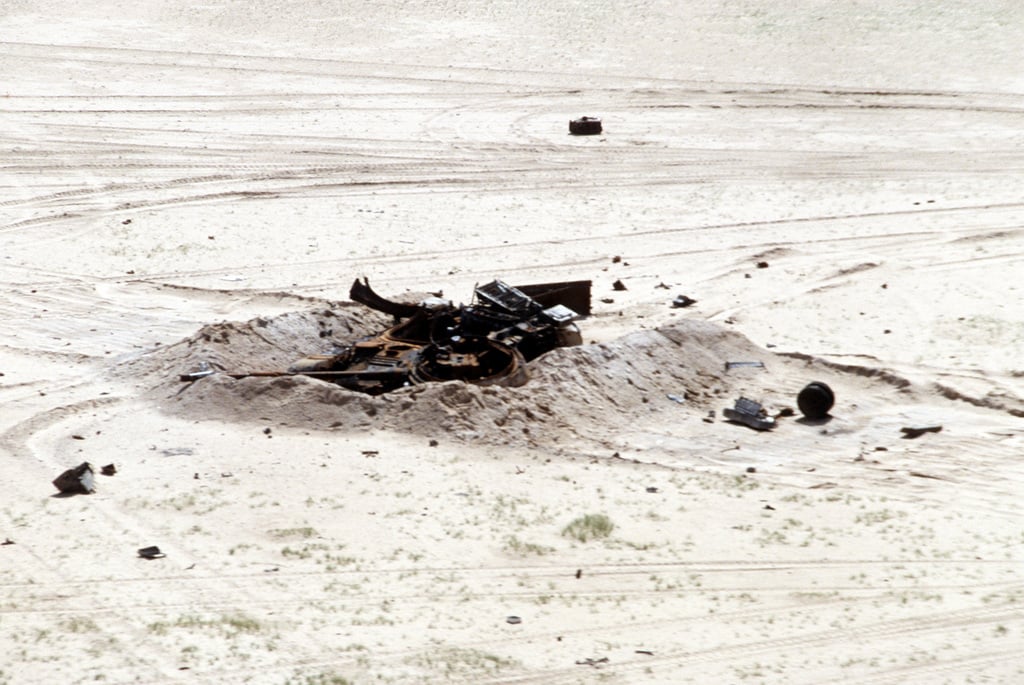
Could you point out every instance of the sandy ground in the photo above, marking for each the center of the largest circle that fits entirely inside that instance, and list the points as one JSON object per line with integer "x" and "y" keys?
{"x": 172, "y": 169}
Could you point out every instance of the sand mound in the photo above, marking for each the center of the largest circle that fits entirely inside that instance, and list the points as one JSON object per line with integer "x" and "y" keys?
{"x": 260, "y": 344}
{"x": 572, "y": 392}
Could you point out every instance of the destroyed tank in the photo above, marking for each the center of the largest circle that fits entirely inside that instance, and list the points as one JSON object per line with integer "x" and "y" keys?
{"x": 486, "y": 342}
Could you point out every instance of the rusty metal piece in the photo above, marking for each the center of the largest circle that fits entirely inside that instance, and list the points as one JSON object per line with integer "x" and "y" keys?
{"x": 362, "y": 293}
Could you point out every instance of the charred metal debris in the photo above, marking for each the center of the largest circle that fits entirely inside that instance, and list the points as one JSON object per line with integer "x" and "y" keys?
{"x": 487, "y": 342}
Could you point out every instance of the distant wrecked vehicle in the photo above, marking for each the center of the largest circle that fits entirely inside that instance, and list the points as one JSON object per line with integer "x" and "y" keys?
{"x": 486, "y": 342}
{"x": 585, "y": 126}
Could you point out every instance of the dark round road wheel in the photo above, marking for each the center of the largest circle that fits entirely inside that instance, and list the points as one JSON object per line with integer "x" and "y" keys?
{"x": 585, "y": 126}
{"x": 815, "y": 400}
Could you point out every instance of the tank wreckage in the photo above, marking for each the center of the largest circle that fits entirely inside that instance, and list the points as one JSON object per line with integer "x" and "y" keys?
{"x": 487, "y": 342}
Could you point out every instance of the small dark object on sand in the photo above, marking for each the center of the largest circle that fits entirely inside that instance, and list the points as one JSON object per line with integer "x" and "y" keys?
{"x": 618, "y": 285}
{"x": 911, "y": 432}
{"x": 108, "y": 470}
{"x": 585, "y": 126}
{"x": 152, "y": 552}
{"x": 815, "y": 400}
{"x": 682, "y": 301}
{"x": 79, "y": 480}
{"x": 744, "y": 365}
{"x": 749, "y": 413}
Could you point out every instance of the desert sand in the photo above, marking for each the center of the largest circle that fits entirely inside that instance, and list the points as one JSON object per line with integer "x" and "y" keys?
{"x": 839, "y": 186}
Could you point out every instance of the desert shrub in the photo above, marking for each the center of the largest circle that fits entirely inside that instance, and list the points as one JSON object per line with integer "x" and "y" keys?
{"x": 589, "y": 527}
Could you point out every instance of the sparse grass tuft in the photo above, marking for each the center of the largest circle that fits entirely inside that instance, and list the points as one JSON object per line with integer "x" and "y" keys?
{"x": 514, "y": 545}
{"x": 318, "y": 679}
{"x": 460, "y": 662}
{"x": 302, "y": 533}
{"x": 589, "y": 527}
{"x": 230, "y": 624}
{"x": 79, "y": 624}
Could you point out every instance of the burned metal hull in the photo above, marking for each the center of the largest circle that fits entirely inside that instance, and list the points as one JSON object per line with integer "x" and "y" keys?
{"x": 485, "y": 343}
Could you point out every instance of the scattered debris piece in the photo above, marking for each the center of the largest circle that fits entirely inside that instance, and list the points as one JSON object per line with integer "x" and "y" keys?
{"x": 911, "y": 432}
{"x": 762, "y": 265}
{"x": 651, "y": 489}
{"x": 619, "y": 286}
{"x": 751, "y": 469}
{"x": 78, "y": 437}
{"x": 769, "y": 507}
{"x": 579, "y": 573}
{"x": 710, "y": 418}
{"x": 918, "y": 474}
{"x": 616, "y": 259}
{"x": 663, "y": 286}
{"x": 370, "y": 453}
{"x": 749, "y": 413}
{"x": 744, "y": 365}
{"x": 79, "y": 480}
{"x": 7, "y": 541}
{"x": 203, "y": 371}
{"x": 513, "y": 620}
{"x": 596, "y": 663}
{"x": 683, "y": 301}
{"x": 815, "y": 400}
{"x": 678, "y": 399}
{"x": 585, "y": 126}
{"x": 152, "y": 552}
{"x": 785, "y": 412}
{"x": 607, "y": 300}
{"x": 643, "y": 651}
{"x": 108, "y": 470}
{"x": 433, "y": 443}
